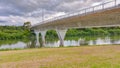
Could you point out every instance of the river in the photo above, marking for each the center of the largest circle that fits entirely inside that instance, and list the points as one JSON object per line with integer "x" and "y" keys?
{"x": 68, "y": 42}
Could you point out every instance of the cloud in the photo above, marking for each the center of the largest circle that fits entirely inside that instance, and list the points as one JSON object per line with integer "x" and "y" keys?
{"x": 16, "y": 12}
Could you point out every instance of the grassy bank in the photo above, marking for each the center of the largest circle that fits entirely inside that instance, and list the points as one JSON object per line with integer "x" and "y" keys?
{"x": 69, "y": 57}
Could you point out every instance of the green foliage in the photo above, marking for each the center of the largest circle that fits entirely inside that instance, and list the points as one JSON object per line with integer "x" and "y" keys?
{"x": 19, "y": 32}
{"x": 51, "y": 34}
{"x": 87, "y": 32}
{"x": 27, "y": 25}
{"x": 13, "y": 32}
{"x": 94, "y": 31}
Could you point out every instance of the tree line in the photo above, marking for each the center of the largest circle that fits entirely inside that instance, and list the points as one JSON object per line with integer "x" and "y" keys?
{"x": 23, "y": 32}
{"x": 13, "y": 32}
{"x": 108, "y": 31}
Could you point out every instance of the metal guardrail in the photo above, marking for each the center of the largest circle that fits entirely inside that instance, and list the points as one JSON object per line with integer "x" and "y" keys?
{"x": 84, "y": 11}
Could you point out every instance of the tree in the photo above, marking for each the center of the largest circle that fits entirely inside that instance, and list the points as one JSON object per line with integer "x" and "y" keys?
{"x": 27, "y": 25}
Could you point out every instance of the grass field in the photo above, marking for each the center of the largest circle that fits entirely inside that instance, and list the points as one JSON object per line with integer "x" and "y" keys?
{"x": 69, "y": 57}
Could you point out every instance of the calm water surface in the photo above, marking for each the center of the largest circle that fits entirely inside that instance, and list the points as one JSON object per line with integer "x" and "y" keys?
{"x": 74, "y": 41}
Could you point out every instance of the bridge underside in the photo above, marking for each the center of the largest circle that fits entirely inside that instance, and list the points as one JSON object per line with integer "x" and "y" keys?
{"x": 104, "y": 18}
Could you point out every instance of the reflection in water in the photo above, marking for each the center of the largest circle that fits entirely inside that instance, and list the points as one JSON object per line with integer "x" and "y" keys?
{"x": 11, "y": 44}
{"x": 100, "y": 41}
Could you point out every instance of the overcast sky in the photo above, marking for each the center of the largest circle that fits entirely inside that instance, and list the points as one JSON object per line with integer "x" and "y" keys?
{"x": 16, "y": 12}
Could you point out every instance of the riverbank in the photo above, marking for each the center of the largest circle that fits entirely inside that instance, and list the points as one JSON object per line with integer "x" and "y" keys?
{"x": 69, "y": 57}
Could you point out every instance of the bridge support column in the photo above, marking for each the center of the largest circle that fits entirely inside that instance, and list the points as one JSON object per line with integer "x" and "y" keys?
{"x": 43, "y": 33}
{"x": 61, "y": 34}
{"x": 37, "y": 38}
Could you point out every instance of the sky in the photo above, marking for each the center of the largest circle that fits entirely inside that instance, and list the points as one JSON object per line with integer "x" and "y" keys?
{"x": 16, "y": 12}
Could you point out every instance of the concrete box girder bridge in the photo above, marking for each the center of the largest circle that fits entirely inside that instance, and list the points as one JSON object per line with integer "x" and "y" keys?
{"x": 104, "y": 15}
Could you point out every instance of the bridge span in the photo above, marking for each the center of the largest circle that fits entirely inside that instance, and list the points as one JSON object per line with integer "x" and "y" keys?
{"x": 104, "y": 15}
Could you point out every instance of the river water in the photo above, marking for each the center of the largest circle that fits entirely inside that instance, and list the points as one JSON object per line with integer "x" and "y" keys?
{"x": 73, "y": 41}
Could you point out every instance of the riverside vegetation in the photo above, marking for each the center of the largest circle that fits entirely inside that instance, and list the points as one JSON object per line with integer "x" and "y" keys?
{"x": 20, "y": 32}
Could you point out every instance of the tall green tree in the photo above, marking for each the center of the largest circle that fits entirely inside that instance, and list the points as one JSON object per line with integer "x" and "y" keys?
{"x": 27, "y": 25}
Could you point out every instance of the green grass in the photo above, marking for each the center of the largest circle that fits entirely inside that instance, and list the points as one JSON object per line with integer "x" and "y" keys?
{"x": 11, "y": 49}
{"x": 69, "y": 57}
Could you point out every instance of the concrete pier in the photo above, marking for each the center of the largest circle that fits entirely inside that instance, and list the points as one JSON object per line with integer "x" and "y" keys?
{"x": 37, "y": 38}
{"x": 61, "y": 35}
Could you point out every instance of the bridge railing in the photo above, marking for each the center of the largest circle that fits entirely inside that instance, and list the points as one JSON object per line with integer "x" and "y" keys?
{"x": 85, "y": 11}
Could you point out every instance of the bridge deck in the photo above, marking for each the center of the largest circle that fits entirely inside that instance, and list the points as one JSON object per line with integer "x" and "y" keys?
{"x": 101, "y": 18}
